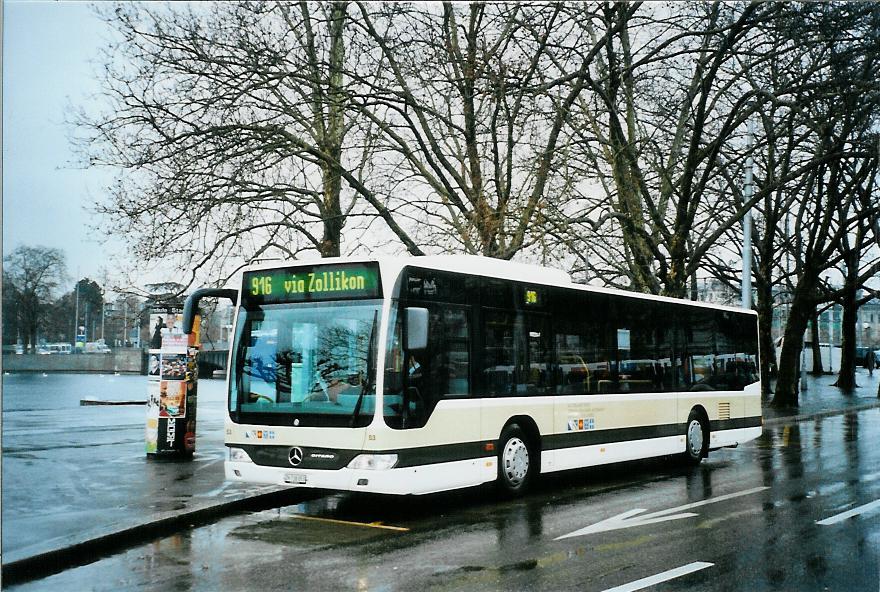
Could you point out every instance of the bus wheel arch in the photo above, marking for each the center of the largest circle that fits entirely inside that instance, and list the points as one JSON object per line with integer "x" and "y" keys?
{"x": 519, "y": 455}
{"x": 696, "y": 436}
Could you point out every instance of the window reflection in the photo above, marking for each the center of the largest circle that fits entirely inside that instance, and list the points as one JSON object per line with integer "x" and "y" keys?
{"x": 305, "y": 358}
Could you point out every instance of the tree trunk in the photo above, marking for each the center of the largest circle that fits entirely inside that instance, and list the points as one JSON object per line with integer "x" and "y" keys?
{"x": 764, "y": 306}
{"x": 846, "y": 380}
{"x": 32, "y": 338}
{"x": 817, "y": 349}
{"x": 333, "y": 138}
{"x": 789, "y": 359}
{"x": 676, "y": 279}
{"x": 332, "y": 212}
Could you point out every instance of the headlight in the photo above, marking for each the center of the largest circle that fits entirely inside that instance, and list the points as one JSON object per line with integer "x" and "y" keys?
{"x": 238, "y": 455}
{"x": 373, "y": 462}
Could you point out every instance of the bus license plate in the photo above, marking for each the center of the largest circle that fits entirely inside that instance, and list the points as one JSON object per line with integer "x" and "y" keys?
{"x": 295, "y": 478}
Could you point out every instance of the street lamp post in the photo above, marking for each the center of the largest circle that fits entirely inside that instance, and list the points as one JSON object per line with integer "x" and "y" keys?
{"x": 76, "y": 318}
{"x": 831, "y": 339}
{"x": 748, "y": 191}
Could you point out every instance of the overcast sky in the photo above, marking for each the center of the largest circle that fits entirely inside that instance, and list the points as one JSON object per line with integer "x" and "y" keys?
{"x": 47, "y": 52}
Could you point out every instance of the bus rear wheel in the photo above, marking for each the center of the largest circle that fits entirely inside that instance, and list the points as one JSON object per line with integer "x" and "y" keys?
{"x": 516, "y": 461}
{"x": 696, "y": 438}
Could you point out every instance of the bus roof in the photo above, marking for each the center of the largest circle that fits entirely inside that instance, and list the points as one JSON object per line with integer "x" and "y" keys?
{"x": 489, "y": 267}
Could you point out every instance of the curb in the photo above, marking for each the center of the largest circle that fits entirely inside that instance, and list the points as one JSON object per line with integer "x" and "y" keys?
{"x": 54, "y": 561}
{"x": 820, "y": 414}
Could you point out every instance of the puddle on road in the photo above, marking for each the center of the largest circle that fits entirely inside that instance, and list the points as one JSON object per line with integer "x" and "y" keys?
{"x": 168, "y": 506}
{"x": 308, "y": 535}
{"x": 471, "y": 576}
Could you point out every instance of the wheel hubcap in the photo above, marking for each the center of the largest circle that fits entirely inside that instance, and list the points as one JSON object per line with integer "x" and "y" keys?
{"x": 516, "y": 461}
{"x": 695, "y": 438}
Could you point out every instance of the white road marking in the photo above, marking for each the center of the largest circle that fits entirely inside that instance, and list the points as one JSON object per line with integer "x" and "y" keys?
{"x": 849, "y": 513}
{"x": 629, "y": 519}
{"x": 661, "y": 577}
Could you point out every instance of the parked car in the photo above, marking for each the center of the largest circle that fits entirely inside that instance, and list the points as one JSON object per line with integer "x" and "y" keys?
{"x": 54, "y": 348}
{"x": 96, "y": 347}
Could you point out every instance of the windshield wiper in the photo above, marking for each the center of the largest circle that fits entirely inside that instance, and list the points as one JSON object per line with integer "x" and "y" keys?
{"x": 370, "y": 371}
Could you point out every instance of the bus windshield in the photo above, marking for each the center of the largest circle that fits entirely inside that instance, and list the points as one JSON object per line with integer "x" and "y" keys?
{"x": 305, "y": 364}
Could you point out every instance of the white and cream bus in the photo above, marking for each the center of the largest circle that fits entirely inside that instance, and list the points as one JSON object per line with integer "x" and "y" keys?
{"x": 417, "y": 375}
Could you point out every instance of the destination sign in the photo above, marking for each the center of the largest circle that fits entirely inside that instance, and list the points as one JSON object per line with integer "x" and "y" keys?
{"x": 311, "y": 283}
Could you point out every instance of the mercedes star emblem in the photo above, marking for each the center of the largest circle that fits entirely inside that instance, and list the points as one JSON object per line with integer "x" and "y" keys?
{"x": 295, "y": 456}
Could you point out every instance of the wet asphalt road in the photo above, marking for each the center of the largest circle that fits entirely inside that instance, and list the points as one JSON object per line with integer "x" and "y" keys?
{"x": 746, "y": 519}
{"x": 72, "y": 472}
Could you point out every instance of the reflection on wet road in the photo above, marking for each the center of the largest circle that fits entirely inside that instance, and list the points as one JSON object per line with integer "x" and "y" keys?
{"x": 749, "y": 518}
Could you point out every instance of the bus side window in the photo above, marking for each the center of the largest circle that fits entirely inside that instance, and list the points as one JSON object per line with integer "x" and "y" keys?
{"x": 647, "y": 359}
{"x": 583, "y": 349}
{"x": 499, "y": 360}
{"x": 737, "y": 348}
{"x": 451, "y": 350}
{"x": 537, "y": 375}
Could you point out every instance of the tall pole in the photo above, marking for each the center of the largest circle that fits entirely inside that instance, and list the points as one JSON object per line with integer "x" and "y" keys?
{"x": 748, "y": 191}
{"x": 831, "y": 339}
{"x": 76, "y": 318}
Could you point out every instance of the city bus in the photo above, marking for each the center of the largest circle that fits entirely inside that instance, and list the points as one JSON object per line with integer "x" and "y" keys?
{"x": 425, "y": 374}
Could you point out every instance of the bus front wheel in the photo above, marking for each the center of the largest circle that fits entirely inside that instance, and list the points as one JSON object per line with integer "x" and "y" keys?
{"x": 696, "y": 438}
{"x": 516, "y": 461}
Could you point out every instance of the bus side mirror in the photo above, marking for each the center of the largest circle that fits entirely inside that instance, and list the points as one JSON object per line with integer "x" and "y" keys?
{"x": 191, "y": 306}
{"x": 416, "y": 328}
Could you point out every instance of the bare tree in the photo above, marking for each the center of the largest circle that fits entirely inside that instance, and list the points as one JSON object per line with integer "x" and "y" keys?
{"x": 669, "y": 99}
{"x": 840, "y": 107}
{"x": 470, "y": 102}
{"x": 853, "y": 248}
{"x": 30, "y": 275}
{"x": 228, "y": 122}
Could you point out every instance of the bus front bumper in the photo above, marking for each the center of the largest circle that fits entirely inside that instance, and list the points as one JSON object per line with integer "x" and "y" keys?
{"x": 408, "y": 480}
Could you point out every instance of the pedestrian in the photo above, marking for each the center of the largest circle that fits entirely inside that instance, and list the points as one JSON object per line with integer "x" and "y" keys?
{"x": 870, "y": 360}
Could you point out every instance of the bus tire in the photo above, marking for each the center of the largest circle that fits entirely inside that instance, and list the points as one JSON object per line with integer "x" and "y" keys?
{"x": 516, "y": 461}
{"x": 696, "y": 438}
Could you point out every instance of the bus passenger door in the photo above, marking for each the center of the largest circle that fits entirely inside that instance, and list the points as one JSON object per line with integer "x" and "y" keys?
{"x": 442, "y": 410}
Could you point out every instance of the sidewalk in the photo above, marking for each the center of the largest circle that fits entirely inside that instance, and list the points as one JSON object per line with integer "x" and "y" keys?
{"x": 821, "y": 399}
{"x": 98, "y": 492}
{"x": 77, "y": 482}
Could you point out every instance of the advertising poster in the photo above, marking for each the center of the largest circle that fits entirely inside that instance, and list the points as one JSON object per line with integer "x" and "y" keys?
{"x": 172, "y": 375}
{"x": 152, "y": 428}
{"x": 157, "y": 323}
{"x": 154, "y": 364}
{"x": 174, "y": 366}
{"x": 172, "y": 398}
{"x": 170, "y": 436}
{"x": 174, "y": 343}
{"x": 189, "y": 436}
{"x": 166, "y": 332}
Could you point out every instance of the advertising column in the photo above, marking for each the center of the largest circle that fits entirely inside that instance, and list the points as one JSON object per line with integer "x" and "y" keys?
{"x": 172, "y": 385}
